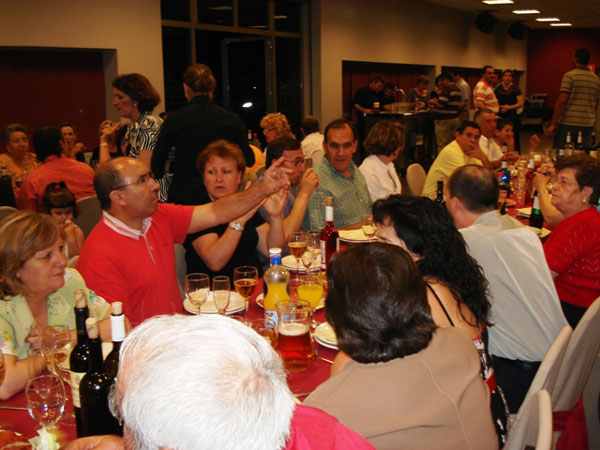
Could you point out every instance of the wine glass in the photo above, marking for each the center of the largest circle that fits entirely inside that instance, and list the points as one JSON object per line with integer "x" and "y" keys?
{"x": 315, "y": 239}
{"x": 245, "y": 279}
{"x": 46, "y": 399}
{"x": 196, "y": 287}
{"x": 310, "y": 289}
{"x": 221, "y": 292}
{"x": 368, "y": 226}
{"x": 312, "y": 249}
{"x": 297, "y": 246}
{"x": 55, "y": 344}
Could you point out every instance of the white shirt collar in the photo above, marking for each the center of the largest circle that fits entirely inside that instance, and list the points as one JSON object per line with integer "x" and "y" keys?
{"x": 119, "y": 227}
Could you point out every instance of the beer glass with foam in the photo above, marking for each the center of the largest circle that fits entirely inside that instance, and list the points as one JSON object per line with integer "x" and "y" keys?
{"x": 295, "y": 343}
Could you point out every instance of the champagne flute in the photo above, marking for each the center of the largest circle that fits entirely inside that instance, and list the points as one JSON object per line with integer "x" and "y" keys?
{"x": 245, "y": 279}
{"x": 297, "y": 246}
{"x": 368, "y": 226}
{"x": 46, "y": 399}
{"x": 221, "y": 292}
{"x": 196, "y": 287}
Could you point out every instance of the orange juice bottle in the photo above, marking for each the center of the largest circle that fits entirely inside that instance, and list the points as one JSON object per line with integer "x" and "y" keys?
{"x": 276, "y": 280}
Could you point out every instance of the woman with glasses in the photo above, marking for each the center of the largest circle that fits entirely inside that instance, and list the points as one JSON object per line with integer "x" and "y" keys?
{"x": 218, "y": 250}
{"x": 275, "y": 125}
{"x": 573, "y": 248}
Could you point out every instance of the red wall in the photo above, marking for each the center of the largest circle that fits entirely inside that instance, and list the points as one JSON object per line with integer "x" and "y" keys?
{"x": 550, "y": 55}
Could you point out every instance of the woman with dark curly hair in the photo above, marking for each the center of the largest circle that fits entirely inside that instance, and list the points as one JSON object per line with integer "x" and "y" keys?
{"x": 404, "y": 383}
{"x": 135, "y": 99}
{"x": 457, "y": 288}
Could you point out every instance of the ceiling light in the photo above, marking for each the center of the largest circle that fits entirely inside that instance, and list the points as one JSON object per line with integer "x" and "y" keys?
{"x": 562, "y": 24}
{"x": 548, "y": 19}
{"x": 497, "y": 2}
{"x": 526, "y": 11}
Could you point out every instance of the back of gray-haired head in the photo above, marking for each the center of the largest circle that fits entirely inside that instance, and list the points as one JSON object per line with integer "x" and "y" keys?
{"x": 195, "y": 382}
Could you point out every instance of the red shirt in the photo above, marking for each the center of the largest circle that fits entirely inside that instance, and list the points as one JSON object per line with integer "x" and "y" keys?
{"x": 78, "y": 177}
{"x": 573, "y": 251}
{"x": 137, "y": 268}
{"x": 313, "y": 429}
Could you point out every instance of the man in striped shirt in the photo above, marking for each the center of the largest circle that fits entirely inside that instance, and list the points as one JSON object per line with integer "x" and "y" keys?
{"x": 575, "y": 107}
{"x": 446, "y": 108}
{"x": 483, "y": 93}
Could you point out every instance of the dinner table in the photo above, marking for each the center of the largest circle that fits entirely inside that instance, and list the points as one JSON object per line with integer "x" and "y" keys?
{"x": 14, "y": 415}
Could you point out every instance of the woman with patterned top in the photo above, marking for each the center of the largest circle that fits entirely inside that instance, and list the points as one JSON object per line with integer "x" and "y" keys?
{"x": 456, "y": 285}
{"x": 36, "y": 290}
{"x": 18, "y": 160}
{"x": 135, "y": 99}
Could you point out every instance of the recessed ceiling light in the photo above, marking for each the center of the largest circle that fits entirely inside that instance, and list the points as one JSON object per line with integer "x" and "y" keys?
{"x": 562, "y": 24}
{"x": 548, "y": 19}
{"x": 497, "y": 2}
{"x": 526, "y": 11}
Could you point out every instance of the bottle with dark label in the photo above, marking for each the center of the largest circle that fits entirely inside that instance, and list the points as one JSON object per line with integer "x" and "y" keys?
{"x": 80, "y": 354}
{"x": 117, "y": 328}
{"x": 329, "y": 235}
{"x": 579, "y": 144}
{"x": 96, "y": 418}
{"x": 504, "y": 178}
{"x": 440, "y": 192}
{"x": 568, "y": 145}
{"x": 536, "y": 219}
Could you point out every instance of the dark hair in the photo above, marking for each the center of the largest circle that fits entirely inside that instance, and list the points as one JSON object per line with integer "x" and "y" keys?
{"x": 223, "y": 149}
{"x": 475, "y": 186}
{"x": 582, "y": 55}
{"x": 376, "y": 79}
{"x": 428, "y": 231}
{"x": 587, "y": 172}
{"x": 384, "y": 138}
{"x": 389, "y": 85}
{"x": 139, "y": 89}
{"x": 338, "y": 124}
{"x": 447, "y": 76}
{"x": 276, "y": 148}
{"x": 503, "y": 122}
{"x": 46, "y": 140}
{"x": 106, "y": 180}
{"x": 507, "y": 71}
{"x": 422, "y": 79}
{"x": 438, "y": 79}
{"x": 58, "y": 195}
{"x": 199, "y": 78}
{"x": 67, "y": 124}
{"x": 13, "y": 128}
{"x": 467, "y": 124}
{"x": 458, "y": 72}
{"x": 377, "y": 303}
{"x": 485, "y": 68}
{"x": 310, "y": 124}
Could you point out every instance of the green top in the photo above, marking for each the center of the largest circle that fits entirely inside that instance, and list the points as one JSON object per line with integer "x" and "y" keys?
{"x": 16, "y": 320}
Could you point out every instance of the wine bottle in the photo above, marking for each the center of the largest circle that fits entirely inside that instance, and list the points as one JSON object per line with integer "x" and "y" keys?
{"x": 440, "y": 192}
{"x": 80, "y": 354}
{"x": 505, "y": 183}
{"x": 568, "y": 145}
{"x": 536, "y": 219}
{"x": 96, "y": 418}
{"x": 329, "y": 235}
{"x": 117, "y": 329}
{"x": 579, "y": 144}
{"x": 529, "y": 181}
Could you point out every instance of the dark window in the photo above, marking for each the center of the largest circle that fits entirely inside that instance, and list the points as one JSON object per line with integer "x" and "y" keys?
{"x": 175, "y": 10}
{"x": 287, "y": 16}
{"x": 253, "y": 14}
{"x": 176, "y": 58}
{"x": 215, "y": 12}
{"x": 288, "y": 81}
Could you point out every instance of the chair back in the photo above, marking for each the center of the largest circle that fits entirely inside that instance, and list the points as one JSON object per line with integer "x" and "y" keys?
{"x": 89, "y": 213}
{"x": 533, "y": 428}
{"x": 415, "y": 178}
{"x": 578, "y": 360}
{"x": 248, "y": 176}
{"x": 180, "y": 267}
{"x": 6, "y": 210}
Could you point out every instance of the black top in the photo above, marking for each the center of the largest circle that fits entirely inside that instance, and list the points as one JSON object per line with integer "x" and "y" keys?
{"x": 365, "y": 97}
{"x": 508, "y": 97}
{"x": 190, "y": 129}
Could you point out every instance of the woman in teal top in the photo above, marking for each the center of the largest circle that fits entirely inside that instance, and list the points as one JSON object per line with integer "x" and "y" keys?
{"x": 36, "y": 290}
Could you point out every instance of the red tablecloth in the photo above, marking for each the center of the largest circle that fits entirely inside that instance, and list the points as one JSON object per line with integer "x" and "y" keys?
{"x": 299, "y": 382}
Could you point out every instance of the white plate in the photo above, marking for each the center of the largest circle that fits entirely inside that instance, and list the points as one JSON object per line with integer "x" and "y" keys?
{"x": 325, "y": 336}
{"x": 289, "y": 262}
{"x": 260, "y": 299}
{"x": 106, "y": 348}
{"x": 541, "y": 233}
{"x": 355, "y": 236}
{"x": 525, "y": 212}
{"x": 236, "y": 305}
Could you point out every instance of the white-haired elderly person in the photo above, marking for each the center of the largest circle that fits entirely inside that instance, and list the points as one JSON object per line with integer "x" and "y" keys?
{"x": 210, "y": 382}
{"x": 36, "y": 290}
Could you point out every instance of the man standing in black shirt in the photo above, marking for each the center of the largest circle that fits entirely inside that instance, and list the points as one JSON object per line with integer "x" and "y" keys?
{"x": 192, "y": 128}
{"x": 367, "y": 95}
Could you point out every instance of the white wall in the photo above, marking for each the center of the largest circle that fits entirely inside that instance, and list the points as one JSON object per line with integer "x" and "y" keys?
{"x": 402, "y": 32}
{"x": 131, "y": 27}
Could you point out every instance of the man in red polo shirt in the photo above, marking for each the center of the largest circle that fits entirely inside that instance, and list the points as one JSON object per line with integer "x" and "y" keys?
{"x": 129, "y": 255}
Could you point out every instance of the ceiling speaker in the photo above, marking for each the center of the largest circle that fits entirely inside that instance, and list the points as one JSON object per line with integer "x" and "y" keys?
{"x": 486, "y": 22}
{"x": 517, "y": 31}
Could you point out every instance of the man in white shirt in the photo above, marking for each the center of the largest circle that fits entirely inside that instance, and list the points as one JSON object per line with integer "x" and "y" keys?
{"x": 526, "y": 312}
{"x": 486, "y": 119}
{"x": 465, "y": 90}
{"x": 312, "y": 144}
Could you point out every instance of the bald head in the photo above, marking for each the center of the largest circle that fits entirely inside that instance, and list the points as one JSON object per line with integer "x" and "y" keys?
{"x": 475, "y": 186}
{"x": 109, "y": 176}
